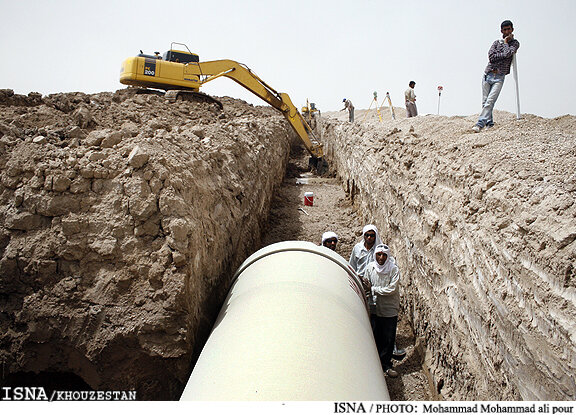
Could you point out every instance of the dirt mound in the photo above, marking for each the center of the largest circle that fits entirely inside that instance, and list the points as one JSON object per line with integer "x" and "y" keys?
{"x": 484, "y": 227}
{"x": 9, "y": 98}
{"x": 121, "y": 218}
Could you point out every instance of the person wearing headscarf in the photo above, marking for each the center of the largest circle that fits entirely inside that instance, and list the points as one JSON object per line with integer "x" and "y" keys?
{"x": 363, "y": 252}
{"x": 384, "y": 277}
{"x": 329, "y": 240}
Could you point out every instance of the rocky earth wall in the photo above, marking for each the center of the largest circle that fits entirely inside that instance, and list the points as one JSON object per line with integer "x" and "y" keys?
{"x": 122, "y": 218}
{"x": 483, "y": 227}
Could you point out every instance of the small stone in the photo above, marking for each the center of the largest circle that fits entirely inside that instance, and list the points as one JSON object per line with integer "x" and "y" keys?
{"x": 40, "y": 140}
{"x": 112, "y": 140}
{"x": 179, "y": 259}
{"x": 96, "y": 156}
{"x": 83, "y": 117}
{"x": 95, "y": 138}
{"x": 60, "y": 183}
{"x": 199, "y": 132}
{"x": 76, "y": 132}
{"x": 137, "y": 158}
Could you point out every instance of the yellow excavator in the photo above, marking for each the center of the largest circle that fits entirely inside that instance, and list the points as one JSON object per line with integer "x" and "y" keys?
{"x": 181, "y": 74}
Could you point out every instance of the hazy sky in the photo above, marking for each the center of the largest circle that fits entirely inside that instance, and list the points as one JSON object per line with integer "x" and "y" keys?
{"x": 321, "y": 50}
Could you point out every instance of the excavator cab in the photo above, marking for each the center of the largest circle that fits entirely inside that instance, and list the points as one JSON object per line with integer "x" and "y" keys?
{"x": 180, "y": 56}
{"x": 174, "y": 70}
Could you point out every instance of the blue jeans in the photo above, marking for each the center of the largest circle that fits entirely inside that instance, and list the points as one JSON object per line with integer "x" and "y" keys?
{"x": 491, "y": 87}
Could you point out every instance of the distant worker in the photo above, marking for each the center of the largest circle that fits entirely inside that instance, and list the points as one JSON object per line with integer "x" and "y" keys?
{"x": 329, "y": 240}
{"x": 348, "y": 106}
{"x": 500, "y": 58}
{"x": 363, "y": 252}
{"x": 410, "y": 97}
{"x": 384, "y": 276}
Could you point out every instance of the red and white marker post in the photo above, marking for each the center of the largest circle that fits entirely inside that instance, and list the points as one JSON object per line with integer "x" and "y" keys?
{"x": 440, "y": 88}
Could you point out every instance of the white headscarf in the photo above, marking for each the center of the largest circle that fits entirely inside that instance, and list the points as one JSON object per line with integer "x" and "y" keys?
{"x": 328, "y": 235}
{"x": 367, "y": 228}
{"x": 388, "y": 264}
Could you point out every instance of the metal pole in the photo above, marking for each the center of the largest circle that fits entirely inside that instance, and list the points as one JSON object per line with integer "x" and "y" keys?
{"x": 391, "y": 107}
{"x": 440, "y": 88}
{"x": 515, "y": 72}
{"x": 377, "y": 109}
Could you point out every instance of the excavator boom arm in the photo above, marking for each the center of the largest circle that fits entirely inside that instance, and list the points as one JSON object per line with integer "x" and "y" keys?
{"x": 211, "y": 70}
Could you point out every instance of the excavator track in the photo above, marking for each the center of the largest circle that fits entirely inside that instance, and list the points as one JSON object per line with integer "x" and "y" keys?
{"x": 174, "y": 95}
{"x": 132, "y": 91}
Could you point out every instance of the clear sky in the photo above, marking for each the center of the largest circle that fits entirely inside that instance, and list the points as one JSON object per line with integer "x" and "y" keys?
{"x": 322, "y": 50}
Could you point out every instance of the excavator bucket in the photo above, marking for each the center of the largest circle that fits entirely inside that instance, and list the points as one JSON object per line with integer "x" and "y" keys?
{"x": 319, "y": 165}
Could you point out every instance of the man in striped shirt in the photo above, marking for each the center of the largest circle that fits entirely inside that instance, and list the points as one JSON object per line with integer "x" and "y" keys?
{"x": 500, "y": 58}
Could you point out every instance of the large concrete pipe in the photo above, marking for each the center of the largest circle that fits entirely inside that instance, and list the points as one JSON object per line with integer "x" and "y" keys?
{"x": 293, "y": 327}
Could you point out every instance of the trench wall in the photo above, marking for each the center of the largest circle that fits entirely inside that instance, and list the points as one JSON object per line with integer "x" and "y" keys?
{"x": 121, "y": 221}
{"x": 483, "y": 230}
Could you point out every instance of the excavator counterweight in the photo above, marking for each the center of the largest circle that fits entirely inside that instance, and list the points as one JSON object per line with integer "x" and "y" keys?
{"x": 179, "y": 70}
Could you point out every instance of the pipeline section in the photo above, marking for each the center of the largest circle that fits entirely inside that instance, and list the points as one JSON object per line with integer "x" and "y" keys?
{"x": 294, "y": 326}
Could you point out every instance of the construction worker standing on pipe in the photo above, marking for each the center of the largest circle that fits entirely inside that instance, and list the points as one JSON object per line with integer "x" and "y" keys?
{"x": 348, "y": 106}
{"x": 500, "y": 58}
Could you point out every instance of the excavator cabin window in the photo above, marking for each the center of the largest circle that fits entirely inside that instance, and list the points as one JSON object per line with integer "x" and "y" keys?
{"x": 174, "y": 56}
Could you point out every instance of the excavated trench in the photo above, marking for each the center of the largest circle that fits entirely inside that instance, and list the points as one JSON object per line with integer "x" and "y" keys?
{"x": 123, "y": 218}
